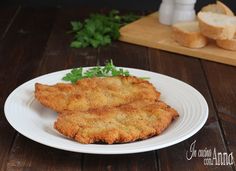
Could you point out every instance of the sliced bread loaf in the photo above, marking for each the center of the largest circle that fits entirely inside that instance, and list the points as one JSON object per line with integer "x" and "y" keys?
{"x": 229, "y": 44}
{"x": 219, "y": 7}
{"x": 188, "y": 34}
{"x": 217, "y": 26}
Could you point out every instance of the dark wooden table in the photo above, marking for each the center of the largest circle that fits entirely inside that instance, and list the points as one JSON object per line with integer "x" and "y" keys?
{"x": 33, "y": 42}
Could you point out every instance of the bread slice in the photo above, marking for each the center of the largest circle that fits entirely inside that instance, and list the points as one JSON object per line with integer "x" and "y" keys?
{"x": 217, "y": 26}
{"x": 188, "y": 34}
{"x": 227, "y": 44}
{"x": 219, "y": 8}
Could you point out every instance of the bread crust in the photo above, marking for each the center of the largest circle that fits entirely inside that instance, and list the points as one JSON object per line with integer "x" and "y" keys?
{"x": 189, "y": 39}
{"x": 219, "y": 7}
{"x": 225, "y": 8}
{"x": 216, "y": 32}
{"x": 227, "y": 44}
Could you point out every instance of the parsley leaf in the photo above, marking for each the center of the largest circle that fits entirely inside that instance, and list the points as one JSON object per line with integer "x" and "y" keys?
{"x": 99, "y": 30}
{"x": 108, "y": 70}
{"x": 74, "y": 75}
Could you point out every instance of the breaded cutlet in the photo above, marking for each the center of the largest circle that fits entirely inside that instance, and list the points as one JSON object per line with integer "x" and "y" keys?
{"x": 125, "y": 123}
{"x": 92, "y": 93}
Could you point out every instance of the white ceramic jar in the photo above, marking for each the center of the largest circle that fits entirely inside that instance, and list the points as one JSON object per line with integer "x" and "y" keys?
{"x": 173, "y": 11}
{"x": 166, "y": 12}
{"x": 184, "y": 11}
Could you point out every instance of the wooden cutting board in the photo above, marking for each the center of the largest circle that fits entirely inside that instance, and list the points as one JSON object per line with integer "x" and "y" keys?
{"x": 147, "y": 31}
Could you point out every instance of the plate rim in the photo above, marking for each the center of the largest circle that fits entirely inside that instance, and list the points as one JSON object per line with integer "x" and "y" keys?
{"x": 132, "y": 151}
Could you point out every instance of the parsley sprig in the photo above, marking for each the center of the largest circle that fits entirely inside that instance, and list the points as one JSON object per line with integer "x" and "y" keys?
{"x": 99, "y": 30}
{"x": 108, "y": 70}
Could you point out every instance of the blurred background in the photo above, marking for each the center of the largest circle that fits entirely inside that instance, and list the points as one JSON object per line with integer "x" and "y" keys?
{"x": 139, "y": 5}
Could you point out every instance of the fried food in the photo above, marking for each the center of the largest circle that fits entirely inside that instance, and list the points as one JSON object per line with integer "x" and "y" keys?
{"x": 93, "y": 93}
{"x": 110, "y": 110}
{"x": 126, "y": 123}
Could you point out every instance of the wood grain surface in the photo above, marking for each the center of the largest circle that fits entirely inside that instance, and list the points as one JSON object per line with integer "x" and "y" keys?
{"x": 148, "y": 32}
{"x": 34, "y": 42}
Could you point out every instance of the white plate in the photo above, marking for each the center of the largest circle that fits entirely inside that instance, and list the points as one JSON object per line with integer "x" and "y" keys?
{"x": 35, "y": 121}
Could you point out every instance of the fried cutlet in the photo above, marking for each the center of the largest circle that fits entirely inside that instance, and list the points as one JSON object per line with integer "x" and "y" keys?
{"x": 92, "y": 93}
{"x": 125, "y": 123}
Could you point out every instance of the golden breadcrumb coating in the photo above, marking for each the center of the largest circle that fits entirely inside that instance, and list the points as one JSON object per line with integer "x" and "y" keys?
{"x": 92, "y": 93}
{"x": 125, "y": 123}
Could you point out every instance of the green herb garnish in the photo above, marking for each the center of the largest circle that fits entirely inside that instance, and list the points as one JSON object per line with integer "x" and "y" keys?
{"x": 108, "y": 70}
{"x": 99, "y": 30}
